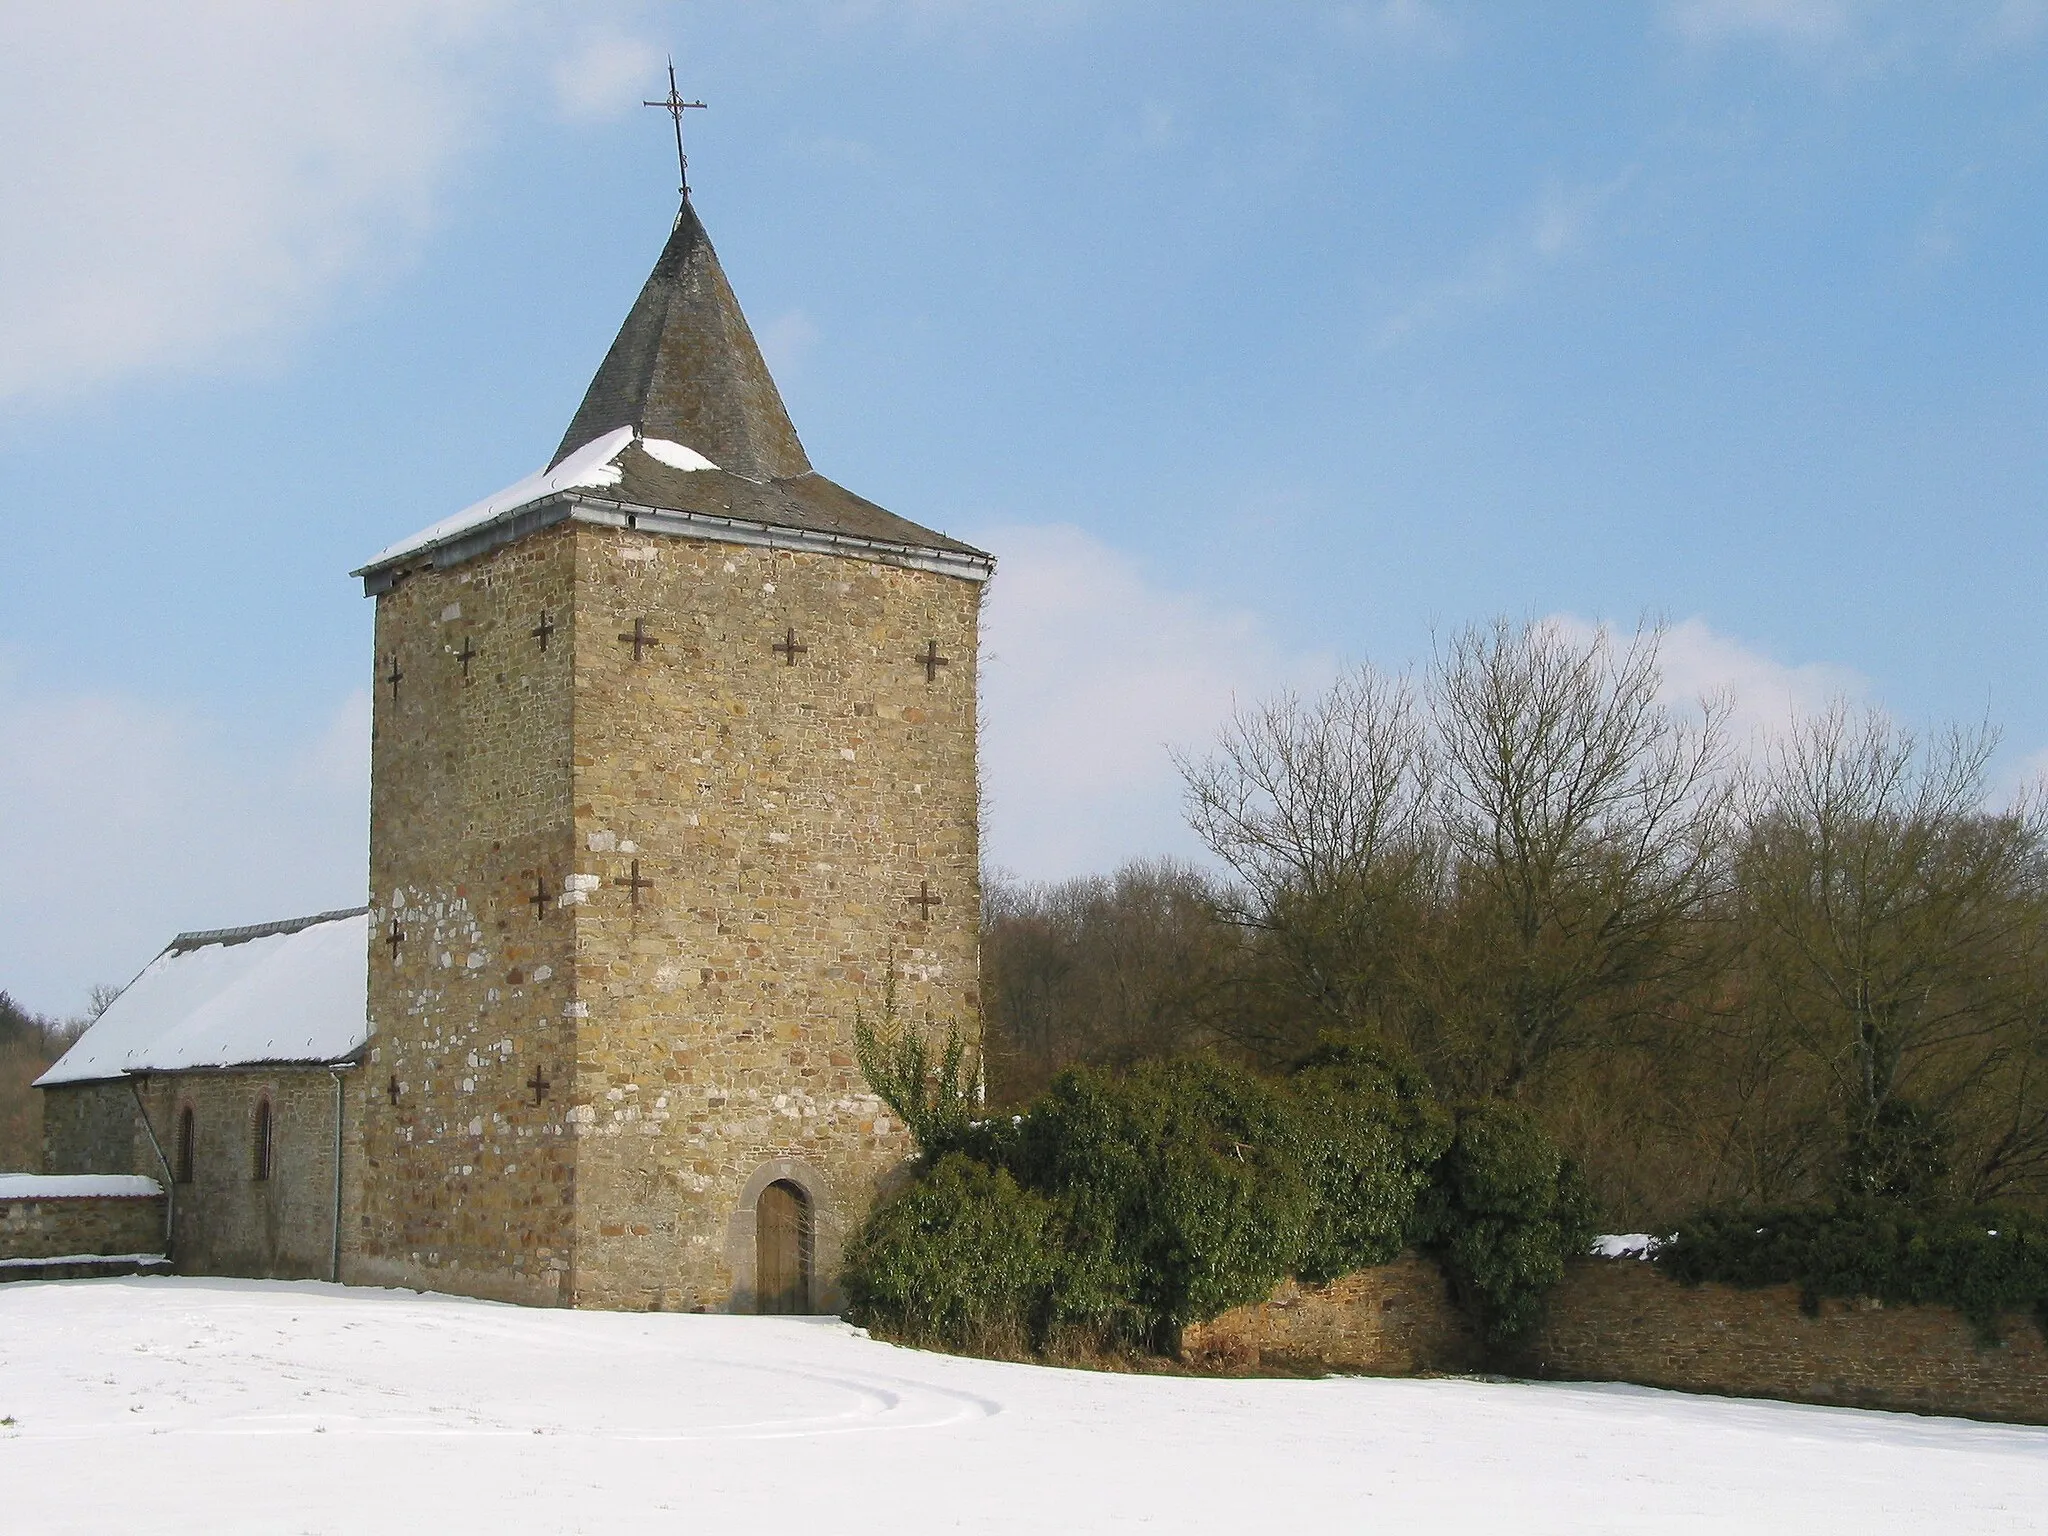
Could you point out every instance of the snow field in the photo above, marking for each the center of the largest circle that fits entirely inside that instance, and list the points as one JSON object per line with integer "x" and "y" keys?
{"x": 227, "y": 1406}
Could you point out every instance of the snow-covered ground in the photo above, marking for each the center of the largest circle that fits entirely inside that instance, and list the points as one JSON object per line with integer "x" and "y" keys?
{"x": 222, "y": 1405}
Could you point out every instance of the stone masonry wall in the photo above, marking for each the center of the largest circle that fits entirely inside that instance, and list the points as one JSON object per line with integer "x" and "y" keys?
{"x": 469, "y": 1168}
{"x": 1394, "y": 1320}
{"x": 788, "y": 807}
{"x": 225, "y": 1220}
{"x": 93, "y": 1128}
{"x": 579, "y": 1099}
{"x": 1622, "y": 1320}
{"x": 42, "y": 1229}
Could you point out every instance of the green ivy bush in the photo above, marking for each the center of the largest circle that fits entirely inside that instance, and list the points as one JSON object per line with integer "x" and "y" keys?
{"x": 1123, "y": 1206}
{"x": 1504, "y": 1211}
{"x": 1368, "y": 1136}
{"x": 1179, "y": 1189}
{"x": 1981, "y": 1262}
{"x": 963, "y": 1258}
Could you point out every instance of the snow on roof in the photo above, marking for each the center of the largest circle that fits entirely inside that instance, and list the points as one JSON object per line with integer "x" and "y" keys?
{"x": 591, "y": 465}
{"x": 76, "y": 1186}
{"x": 291, "y": 991}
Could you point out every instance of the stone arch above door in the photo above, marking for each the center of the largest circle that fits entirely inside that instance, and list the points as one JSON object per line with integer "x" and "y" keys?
{"x": 741, "y": 1234}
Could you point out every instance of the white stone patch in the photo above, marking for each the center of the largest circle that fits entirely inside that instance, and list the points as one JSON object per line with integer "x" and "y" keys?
{"x": 847, "y": 753}
{"x": 477, "y": 960}
{"x": 643, "y": 553}
{"x": 543, "y": 972}
{"x": 602, "y": 841}
{"x": 778, "y": 837}
{"x": 576, "y": 1011}
{"x": 476, "y": 1128}
{"x": 627, "y": 845}
{"x": 451, "y": 613}
{"x": 447, "y": 961}
{"x": 767, "y": 586}
{"x": 731, "y": 569}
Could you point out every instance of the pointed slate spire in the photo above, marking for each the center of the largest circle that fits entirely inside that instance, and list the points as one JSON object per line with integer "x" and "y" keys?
{"x": 685, "y": 367}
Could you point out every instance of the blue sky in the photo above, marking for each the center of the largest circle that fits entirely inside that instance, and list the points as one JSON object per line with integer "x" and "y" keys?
{"x": 1253, "y": 338}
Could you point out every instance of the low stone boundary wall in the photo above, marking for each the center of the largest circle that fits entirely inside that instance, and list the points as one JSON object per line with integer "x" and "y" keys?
{"x": 77, "y": 1219}
{"x": 1621, "y": 1319}
{"x": 1395, "y": 1320}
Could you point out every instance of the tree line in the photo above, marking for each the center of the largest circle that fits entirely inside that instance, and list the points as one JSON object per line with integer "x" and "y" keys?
{"x": 1813, "y": 967}
{"x": 29, "y": 1044}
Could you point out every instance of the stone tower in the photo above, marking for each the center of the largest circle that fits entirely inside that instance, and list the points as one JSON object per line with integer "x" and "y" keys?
{"x": 673, "y": 765}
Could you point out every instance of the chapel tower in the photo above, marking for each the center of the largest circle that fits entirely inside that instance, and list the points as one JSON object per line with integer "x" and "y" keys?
{"x": 673, "y": 764}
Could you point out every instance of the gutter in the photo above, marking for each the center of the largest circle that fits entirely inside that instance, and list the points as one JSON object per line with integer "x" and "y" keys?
{"x": 170, "y": 1178}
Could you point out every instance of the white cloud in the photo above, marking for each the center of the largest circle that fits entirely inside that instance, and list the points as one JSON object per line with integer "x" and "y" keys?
{"x": 1554, "y": 229}
{"x": 1414, "y": 26}
{"x": 1804, "y": 23}
{"x": 605, "y": 74}
{"x": 183, "y": 179}
{"x": 1766, "y": 695}
{"x": 1866, "y": 38}
{"x": 1089, "y": 673}
{"x": 129, "y": 822}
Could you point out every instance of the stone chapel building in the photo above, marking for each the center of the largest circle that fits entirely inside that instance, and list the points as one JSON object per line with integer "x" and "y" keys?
{"x": 673, "y": 773}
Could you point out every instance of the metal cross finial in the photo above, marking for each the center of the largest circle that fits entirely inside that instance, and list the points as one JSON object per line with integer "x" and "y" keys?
{"x": 924, "y": 901}
{"x": 539, "y": 1085}
{"x": 674, "y": 105}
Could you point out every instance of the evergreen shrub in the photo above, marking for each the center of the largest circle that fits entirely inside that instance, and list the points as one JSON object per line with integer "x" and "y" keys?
{"x": 1179, "y": 1188}
{"x": 1504, "y": 1211}
{"x": 962, "y": 1258}
{"x": 1123, "y": 1206}
{"x": 1981, "y": 1262}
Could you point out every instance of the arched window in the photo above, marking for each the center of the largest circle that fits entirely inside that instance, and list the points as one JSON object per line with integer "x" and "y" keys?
{"x": 784, "y": 1245}
{"x": 187, "y": 1138}
{"x": 260, "y": 1168}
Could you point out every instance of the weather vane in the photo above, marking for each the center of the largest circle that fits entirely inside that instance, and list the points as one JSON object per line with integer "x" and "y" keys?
{"x": 674, "y": 105}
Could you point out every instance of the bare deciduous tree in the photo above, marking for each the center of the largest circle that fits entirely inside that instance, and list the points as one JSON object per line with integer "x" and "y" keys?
{"x": 1321, "y": 808}
{"x": 1586, "y": 826}
{"x": 1897, "y": 934}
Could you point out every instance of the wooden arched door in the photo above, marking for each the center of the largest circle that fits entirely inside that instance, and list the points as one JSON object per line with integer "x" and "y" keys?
{"x": 783, "y": 1248}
